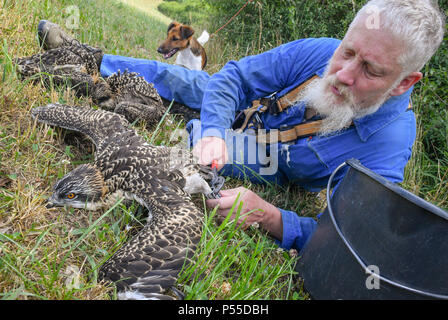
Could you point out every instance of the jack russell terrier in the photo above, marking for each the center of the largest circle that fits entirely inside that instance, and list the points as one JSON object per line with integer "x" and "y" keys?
{"x": 191, "y": 53}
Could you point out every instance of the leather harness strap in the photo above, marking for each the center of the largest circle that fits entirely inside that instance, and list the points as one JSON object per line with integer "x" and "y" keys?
{"x": 280, "y": 104}
{"x": 302, "y": 130}
{"x": 299, "y": 131}
{"x": 274, "y": 105}
{"x": 288, "y": 99}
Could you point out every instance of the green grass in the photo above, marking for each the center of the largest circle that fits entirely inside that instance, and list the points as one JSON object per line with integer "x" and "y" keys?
{"x": 149, "y": 7}
{"x": 231, "y": 264}
{"x": 55, "y": 253}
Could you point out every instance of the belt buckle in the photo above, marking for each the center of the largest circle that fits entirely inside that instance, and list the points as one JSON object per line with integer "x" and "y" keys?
{"x": 239, "y": 120}
{"x": 273, "y": 107}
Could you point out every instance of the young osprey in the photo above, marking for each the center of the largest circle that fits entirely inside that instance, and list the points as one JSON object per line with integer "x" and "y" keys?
{"x": 158, "y": 177}
{"x": 68, "y": 61}
{"x": 134, "y": 98}
{"x": 76, "y": 65}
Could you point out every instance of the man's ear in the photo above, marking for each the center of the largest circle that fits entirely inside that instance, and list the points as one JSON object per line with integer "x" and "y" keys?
{"x": 406, "y": 83}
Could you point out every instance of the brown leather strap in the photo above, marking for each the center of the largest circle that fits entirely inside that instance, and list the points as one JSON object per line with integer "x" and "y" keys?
{"x": 282, "y": 103}
{"x": 248, "y": 113}
{"x": 289, "y": 98}
{"x": 296, "y": 132}
{"x": 302, "y": 130}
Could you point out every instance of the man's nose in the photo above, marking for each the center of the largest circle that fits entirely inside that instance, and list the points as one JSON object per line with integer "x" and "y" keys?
{"x": 346, "y": 75}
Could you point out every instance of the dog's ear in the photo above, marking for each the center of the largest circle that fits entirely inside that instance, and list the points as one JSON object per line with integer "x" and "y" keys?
{"x": 172, "y": 25}
{"x": 186, "y": 31}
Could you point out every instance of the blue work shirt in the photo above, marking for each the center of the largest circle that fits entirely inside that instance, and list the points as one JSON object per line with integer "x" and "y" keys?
{"x": 382, "y": 141}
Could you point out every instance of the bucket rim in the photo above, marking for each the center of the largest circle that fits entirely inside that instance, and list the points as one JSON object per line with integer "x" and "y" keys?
{"x": 356, "y": 164}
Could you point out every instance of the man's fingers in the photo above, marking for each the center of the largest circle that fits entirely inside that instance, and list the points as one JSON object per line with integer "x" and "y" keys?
{"x": 222, "y": 215}
{"x": 223, "y": 202}
{"x": 227, "y": 200}
{"x": 209, "y": 149}
{"x": 211, "y": 203}
{"x": 233, "y": 192}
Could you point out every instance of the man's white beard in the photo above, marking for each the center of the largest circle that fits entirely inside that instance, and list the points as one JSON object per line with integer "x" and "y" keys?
{"x": 336, "y": 115}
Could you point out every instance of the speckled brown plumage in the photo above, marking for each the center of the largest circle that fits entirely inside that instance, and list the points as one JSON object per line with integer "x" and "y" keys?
{"x": 134, "y": 97}
{"x": 74, "y": 65}
{"x": 126, "y": 93}
{"x": 125, "y": 165}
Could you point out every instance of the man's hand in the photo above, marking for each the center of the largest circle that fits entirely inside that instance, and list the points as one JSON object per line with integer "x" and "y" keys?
{"x": 263, "y": 213}
{"x": 208, "y": 149}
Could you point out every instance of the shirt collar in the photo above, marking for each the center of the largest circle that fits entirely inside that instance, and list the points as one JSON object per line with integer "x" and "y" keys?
{"x": 393, "y": 108}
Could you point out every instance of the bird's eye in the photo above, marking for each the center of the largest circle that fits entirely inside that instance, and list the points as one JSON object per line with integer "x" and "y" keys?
{"x": 70, "y": 195}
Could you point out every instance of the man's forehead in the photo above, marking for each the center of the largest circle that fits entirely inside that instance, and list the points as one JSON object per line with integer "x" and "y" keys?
{"x": 366, "y": 55}
{"x": 378, "y": 47}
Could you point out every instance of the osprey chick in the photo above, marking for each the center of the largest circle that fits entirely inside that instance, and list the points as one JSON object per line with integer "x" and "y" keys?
{"x": 127, "y": 166}
{"x": 74, "y": 65}
{"x": 77, "y": 65}
{"x": 134, "y": 97}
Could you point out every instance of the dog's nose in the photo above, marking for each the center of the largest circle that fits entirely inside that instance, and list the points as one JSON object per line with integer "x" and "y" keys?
{"x": 159, "y": 50}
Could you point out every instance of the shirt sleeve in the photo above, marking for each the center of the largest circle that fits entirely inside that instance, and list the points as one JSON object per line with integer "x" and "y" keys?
{"x": 238, "y": 83}
{"x": 296, "y": 230}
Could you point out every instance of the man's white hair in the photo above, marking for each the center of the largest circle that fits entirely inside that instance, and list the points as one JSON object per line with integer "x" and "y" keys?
{"x": 420, "y": 23}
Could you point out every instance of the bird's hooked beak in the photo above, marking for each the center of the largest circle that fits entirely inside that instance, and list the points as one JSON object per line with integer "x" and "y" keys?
{"x": 49, "y": 204}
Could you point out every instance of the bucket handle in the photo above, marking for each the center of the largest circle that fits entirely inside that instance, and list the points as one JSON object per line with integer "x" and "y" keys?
{"x": 358, "y": 258}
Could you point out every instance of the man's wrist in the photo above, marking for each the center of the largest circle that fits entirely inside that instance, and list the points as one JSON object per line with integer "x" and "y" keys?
{"x": 272, "y": 221}
{"x": 213, "y": 131}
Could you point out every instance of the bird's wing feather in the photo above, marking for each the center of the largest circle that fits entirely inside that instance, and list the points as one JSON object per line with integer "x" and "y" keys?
{"x": 66, "y": 55}
{"x": 148, "y": 265}
{"x": 101, "y": 126}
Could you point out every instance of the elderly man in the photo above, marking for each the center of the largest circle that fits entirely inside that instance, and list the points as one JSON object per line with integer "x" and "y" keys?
{"x": 363, "y": 93}
{"x": 360, "y": 100}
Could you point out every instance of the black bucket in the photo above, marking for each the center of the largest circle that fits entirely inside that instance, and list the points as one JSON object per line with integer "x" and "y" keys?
{"x": 376, "y": 241}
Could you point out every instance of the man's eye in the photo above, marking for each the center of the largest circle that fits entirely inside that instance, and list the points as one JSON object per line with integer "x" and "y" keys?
{"x": 347, "y": 54}
{"x": 370, "y": 73}
{"x": 70, "y": 195}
